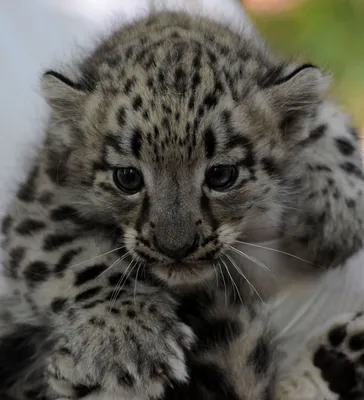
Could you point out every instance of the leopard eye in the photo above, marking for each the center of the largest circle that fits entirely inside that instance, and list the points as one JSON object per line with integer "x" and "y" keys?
{"x": 129, "y": 179}
{"x": 221, "y": 177}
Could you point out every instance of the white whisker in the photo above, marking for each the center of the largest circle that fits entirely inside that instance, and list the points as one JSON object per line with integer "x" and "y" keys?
{"x": 120, "y": 284}
{"x": 113, "y": 264}
{"x": 244, "y": 277}
{"x": 136, "y": 279}
{"x": 99, "y": 256}
{"x": 223, "y": 279}
{"x": 251, "y": 258}
{"x": 232, "y": 281}
{"x": 278, "y": 251}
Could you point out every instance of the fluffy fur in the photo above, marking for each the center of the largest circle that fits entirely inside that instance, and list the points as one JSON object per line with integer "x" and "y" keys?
{"x": 171, "y": 96}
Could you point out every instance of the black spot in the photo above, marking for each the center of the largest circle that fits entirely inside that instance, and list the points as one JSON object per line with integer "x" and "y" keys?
{"x": 317, "y": 133}
{"x": 212, "y": 56}
{"x": 89, "y": 274}
{"x": 356, "y": 342}
{"x": 352, "y": 169}
{"x": 16, "y": 256}
{"x": 261, "y": 356}
{"x": 146, "y": 115}
{"x": 337, "y": 335}
{"x": 351, "y": 203}
{"x": 136, "y": 143}
{"x": 88, "y": 294}
{"x": 64, "y": 212}
{"x": 111, "y": 141}
{"x": 196, "y": 80}
{"x": 27, "y": 190}
{"x": 210, "y": 101}
{"x": 344, "y": 146}
{"x": 180, "y": 80}
{"x": 270, "y": 167}
{"x": 55, "y": 241}
{"x": 115, "y": 278}
{"x": 83, "y": 391}
{"x": 337, "y": 370}
{"x": 6, "y": 224}
{"x": 191, "y": 102}
{"x": 115, "y": 311}
{"x": 210, "y": 143}
{"x": 131, "y": 313}
{"x": 319, "y": 167}
{"x": 64, "y": 351}
{"x": 121, "y": 116}
{"x": 30, "y": 226}
{"x": 153, "y": 309}
{"x": 129, "y": 84}
{"x": 92, "y": 304}
{"x": 36, "y": 272}
{"x": 137, "y": 102}
{"x": 58, "y": 304}
{"x": 65, "y": 260}
{"x": 98, "y": 322}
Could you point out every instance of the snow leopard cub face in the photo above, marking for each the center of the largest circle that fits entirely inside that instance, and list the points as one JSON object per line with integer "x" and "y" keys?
{"x": 180, "y": 139}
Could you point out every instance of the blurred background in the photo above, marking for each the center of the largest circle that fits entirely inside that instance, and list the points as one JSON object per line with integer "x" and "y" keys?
{"x": 329, "y": 33}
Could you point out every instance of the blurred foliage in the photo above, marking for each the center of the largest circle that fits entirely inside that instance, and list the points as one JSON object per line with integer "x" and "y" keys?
{"x": 329, "y": 33}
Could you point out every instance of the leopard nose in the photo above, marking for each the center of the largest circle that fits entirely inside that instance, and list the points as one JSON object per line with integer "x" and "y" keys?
{"x": 177, "y": 252}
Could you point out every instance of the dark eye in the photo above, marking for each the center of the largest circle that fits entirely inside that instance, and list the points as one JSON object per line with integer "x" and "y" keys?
{"x": 128, "y": 179}
{"x": 221, "y": 177}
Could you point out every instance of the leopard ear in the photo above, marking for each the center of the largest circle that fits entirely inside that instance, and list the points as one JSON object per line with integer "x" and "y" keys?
{"x": 63, "y": 95}
{"x": 296, "y": 95}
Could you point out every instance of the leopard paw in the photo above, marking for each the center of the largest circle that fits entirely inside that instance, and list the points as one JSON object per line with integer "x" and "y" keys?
{"x": 339, "y": 356}
{"x": 331, "y": 366}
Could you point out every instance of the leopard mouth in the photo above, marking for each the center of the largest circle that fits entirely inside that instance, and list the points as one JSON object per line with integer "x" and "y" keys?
{"x": 183, "y": 273}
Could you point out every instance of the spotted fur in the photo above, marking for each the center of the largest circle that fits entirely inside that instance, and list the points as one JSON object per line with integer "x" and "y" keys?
{"x": 123, "y": 286}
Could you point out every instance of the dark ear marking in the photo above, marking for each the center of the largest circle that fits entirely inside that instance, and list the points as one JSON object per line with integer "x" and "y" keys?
{"x": 62, "y": 94}
{"x": 292, "y": 74}
{"x": 64, "y": 79}
{"x": 86, "y": 83}
{"x": 295, "y": 97}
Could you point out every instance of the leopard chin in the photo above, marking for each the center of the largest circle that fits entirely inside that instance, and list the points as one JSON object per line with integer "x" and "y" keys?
{"x": 184, "y": 273}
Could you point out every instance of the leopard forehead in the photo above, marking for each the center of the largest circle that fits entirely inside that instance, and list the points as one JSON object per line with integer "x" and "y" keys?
{"x": 168, "y": 94}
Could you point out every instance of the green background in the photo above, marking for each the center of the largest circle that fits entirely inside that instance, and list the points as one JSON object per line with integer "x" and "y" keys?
{"x": 329, "y": 33}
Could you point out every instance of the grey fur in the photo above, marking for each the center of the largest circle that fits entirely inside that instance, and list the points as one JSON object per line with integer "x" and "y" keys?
{"x": 171, "y": 95}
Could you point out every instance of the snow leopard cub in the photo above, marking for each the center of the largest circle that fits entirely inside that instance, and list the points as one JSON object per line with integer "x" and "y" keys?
{"x": 174, "y": 136}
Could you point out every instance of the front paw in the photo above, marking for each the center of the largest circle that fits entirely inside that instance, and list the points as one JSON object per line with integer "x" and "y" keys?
{"x": 137, "y": 347}
{"x": 331, "y": 366}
